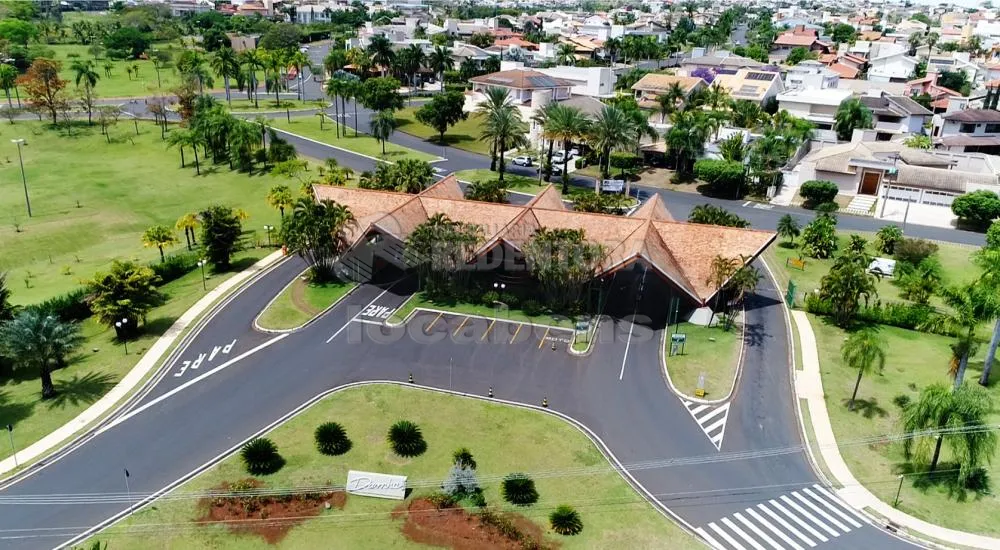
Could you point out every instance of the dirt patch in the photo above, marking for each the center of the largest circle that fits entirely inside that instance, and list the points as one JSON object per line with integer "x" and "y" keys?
{"x": 455, "y": 528}
{"x": 270, "y": 517}
{"x": 299, "y": 297}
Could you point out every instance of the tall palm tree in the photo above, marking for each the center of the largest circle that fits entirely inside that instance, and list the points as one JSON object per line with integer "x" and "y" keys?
{"x": 989, "y": 260}
{"x": 8, "y": 81}
{"x": 864, "y": 351}
{"x": 34, "y": 339}
{"x": 188, "y": 223}
{"x": 225, "y": 64}
{"x": 932, "y": 39}
{"x": 970, "y": 305}
{"x": 192, "y": 66}
{"x": 717, "y": 96}
{"x": 439, "y": 61}
{"x": 567, "y": 124}
{"x": 253, "y": 60}
{"x": 159, "y": 236}
{"x": 610, "y": 132}
{"x": 274, "y": 63}
{"x": 334, "y": 88}
{"x": 186, "y": 138}
{"x": 953, "y": 416}
{"x": 361, "y": 60}
{"x": 382, "y": 125}
{"x": 686, "y": 138}
{"x": 541, "y": 118}
{"x": 495, "y": 100}
{"x": 300, "y": 61}
{"x": 352, "y": 91}
{"x": 415, "y": 59}
{"x": 280, "y": 197}
{"x": 85, "y": 73}
{"x": 380, "y": 50}
{"x": 851, "y": 114}
{"x": 566, "y": 54}
{"x": 504, "y": 129}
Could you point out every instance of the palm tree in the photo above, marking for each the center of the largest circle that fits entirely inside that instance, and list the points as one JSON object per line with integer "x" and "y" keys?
{"x": 956, "y": 417}
{"x": 159, "y": 236}
{"x": 989, "y": 260}
{"x": 850, "y": 115}
{"x": 717, "y": 96}
{"x": 415, "y": 59}
{"x": 274, "y": 63}
{"x": 186, "y": 138}
{"x": 225, "y": 64}
{"x": 253, "y": 61}
{"x": 495, "y": 100}
{"x": 34, "y": 339}
{"x": 746, "y": 114}
{"x": 439, "y": 61}
{"x": 567, "y": 124}
{"x": 382, "y": 125}
{"x": 609, "y": 132}
{"x": 8, "y": 81}
{"x": 188, "y": 222}
{"x": 381, "y": 52}
{"x": 192, "y": 66}
{"x": 566, "y": 54}
{"x": 864, "y": 350}
{"x": 280, "y": 197}
{"x": 686, "y": 138}
{"x": 915, "y": 40}
{"x": 932, "y": 39}
{"x": 503, "y": 129}
{"x": 300, "y": 61}
{"x": 334, "y": 88}
{"x": 970, "y": 305}
{"x": 541, "y": 118}
{"x": 788, "y": 227}
{"x": 85, "y": 73}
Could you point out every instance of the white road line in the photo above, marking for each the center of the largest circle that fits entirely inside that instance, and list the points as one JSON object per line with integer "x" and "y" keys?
{"x": 822, "y": 490}
{"x": 832, "y": 508}
{"x": 811, "y": 517}
{"x": 348, "y": 323}
{"x": 757, "y": 531}
{"x": 736, "y": 529}
{"x": 726, "y": 536}
{"x": 715, "y": 426}
{"x": 697, "y": 409}
{"x": 627, "y": 344}
{"x": 799, "y": 521}
{"x": 817, "y": 509}
{"x": 711, "y": 541}
{"x": 368, "y": 322}
{"x": 760, "y": 519}
{"x": 786, "y": 525}
{"x": 715, "y": 412}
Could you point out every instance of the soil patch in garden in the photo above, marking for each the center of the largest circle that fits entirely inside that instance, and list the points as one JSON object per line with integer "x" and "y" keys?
{"x": 299, "y": 297}
{"x": 455, "y": 528}
{"x": 269, "y": 516}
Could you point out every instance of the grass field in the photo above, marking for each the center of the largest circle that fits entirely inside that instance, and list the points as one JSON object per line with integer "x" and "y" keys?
{"x": 524, "y": 184}
{"x": 92, "y": 200}
{"x": 120, "y": 83}
{"x": 240, "y": 104}
{"x": 709, "y": 350}
{"x": 362, "y": 144}
{"x": 301, "y": 301}
{"x": 99, "y": 364}
{"x": 502, "y": 439}
{"x": 419, "y": 300}
{"x": 914, "y": 361}
{"x": 464, "y": 135}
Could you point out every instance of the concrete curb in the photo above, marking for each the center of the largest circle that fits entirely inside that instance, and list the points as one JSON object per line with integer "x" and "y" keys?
{"x": 376, "y": 159}
{"x": 736, "y": 378}
{"x": 259, "y": 328}
{"x": 137, "y": 374}
{"x": 594, "y": 438}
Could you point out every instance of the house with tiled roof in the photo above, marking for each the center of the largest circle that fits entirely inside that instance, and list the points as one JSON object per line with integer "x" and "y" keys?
{"x": 798, "y": 37}
{"x": 652, "y": 85}
{"x": 521, "y": 84}
{"x": 895, "y": 115}
{"x": 751, "y": 85}
{"x": 969, "y": 131}
{"x": 680, "y": 253}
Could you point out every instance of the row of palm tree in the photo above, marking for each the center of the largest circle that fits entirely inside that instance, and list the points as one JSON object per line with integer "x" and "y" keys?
{"x": 219, "y": 134}
{"x": 243, "y": 67}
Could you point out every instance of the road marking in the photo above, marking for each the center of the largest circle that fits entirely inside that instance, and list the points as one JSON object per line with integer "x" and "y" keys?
{"x": 811, "y": 517}
{"x": 348, "y": 323}
{"x": 431, "y": 325}
{"x": 706, "y": 417}
{"x": 735, "y": 528}
{"x": 726, "y": 536}
{"x": 816, "y": 509}
{"x": 757, "y": 531}
{"x": 832, "y": 508}
{"x": 466, "y": 320}
{"x": 834, "y": 498}
{"x": 786, "y": 525}
{"x": 799, "y": 521}
{"x": 760, "y": 519}
{"x": 541, "y": 342}
{"x": 711, "y": 541}
{"x": 516, "y": 332}
{"x": 370, "y": 322}
{"x": 488, "y": 329}
{"x": 628, "y": 342}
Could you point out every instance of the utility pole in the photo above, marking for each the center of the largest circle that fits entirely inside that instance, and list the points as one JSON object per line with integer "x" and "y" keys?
{"x": 24, "y": 181}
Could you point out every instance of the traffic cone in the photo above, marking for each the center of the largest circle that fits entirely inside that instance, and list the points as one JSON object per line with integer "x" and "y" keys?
{"x": 545, "y": 402}
{"x": 491, "y": 391}
{"x": 410, "y": 380}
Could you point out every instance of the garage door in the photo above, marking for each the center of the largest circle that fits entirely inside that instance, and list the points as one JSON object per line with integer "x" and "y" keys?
{"x": 940, "y": 198}
{"x": 909, "y": 194}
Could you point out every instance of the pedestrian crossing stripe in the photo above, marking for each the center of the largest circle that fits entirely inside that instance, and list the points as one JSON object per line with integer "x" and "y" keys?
{"x": 798, "y": 520}
{"x": 711, "y": 419}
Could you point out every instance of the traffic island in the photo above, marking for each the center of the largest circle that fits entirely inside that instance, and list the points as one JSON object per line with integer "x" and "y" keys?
{"x": 703, "y": 362}
{"x": 300, "y": 302}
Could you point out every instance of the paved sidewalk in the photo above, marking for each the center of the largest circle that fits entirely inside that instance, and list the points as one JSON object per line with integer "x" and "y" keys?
{"x": 150, "y": 360}
{"x": 809, "y": 386}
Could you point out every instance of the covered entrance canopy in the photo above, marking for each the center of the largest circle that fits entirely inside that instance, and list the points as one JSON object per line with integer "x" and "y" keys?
{"x": 679, "y": 252}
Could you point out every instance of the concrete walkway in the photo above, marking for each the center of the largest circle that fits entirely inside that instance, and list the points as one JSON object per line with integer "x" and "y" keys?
{"x": 149, "y": 361}
{"x": 809, "y": 386}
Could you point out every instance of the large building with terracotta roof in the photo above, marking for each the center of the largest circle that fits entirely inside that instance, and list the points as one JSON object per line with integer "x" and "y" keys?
{"x": 680, "y": 253}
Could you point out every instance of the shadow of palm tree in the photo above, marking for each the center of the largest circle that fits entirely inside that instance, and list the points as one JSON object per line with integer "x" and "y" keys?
{"x": 13, "y": 412}
{"x": 867, "y": 407}
{"x": 85, "y": 389}
{"x": 946, "y": 477}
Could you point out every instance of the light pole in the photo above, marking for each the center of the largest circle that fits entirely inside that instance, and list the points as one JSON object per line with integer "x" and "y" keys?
{"x": 201, "y": 264}
{"x": 10, "y": 434}
{"x": 895, "y": 502}
{"x": 121, "y": 326}
{"x": 24, "y": 181}
{"x": 499, "y": 288}
{"x": 269, "y": 228}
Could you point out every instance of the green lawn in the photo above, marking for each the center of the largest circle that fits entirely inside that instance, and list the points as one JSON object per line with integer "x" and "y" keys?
{"x": 120, "y": 84}
{"x": 362, "y": 143}
{"x": 914, "y": 361}
{"x": 502, "y": 439}
{"x": 419, "y": 300}
{"x": 92, "y": 200}
{"x": 523, "y": 184}
{"x": 240, "y": 104}
{"x": 464, "y": 135}
{"x": 709, "y": 350}
{"x": 300, "y": 302}
{"x": 99, "y": 365}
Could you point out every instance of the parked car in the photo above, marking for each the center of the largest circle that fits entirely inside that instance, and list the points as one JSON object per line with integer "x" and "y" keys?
{"x": 523, "y": 160}
{"x": 558, "y": 157}
{"x": 555, "y": 170}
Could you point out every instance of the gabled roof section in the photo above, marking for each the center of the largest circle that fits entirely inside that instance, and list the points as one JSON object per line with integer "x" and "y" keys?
{"x": 367, "y": 205}
{"x": 653, "y": 209}
{"x": 448, "y": 188}
{"x": 549, "y": 199}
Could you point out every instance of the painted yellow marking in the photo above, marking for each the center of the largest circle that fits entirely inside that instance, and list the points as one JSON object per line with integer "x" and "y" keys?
{"x": 544, "y": 336}
{"x": 487, "y": 333}
{"x": 430, "y": 326}
{"x": 459, "y": 329}
{"x": 516, "y": 332}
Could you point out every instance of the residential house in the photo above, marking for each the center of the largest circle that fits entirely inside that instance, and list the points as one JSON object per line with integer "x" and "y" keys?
{"x": 719, "y": 62}
{"x": 586, "y": 81}
{"x": 889, "y": 62}
{"x": 810, "y": 74}
{"x": 940, "y": 96}
{"x": 895, "y": 115}
{"x": 751, "y": 85}
{"x": 969, "y": 131}
{"x": 799, "y": 37}
{"x": 180, "y": 8}
{"x": 522, "y": 85}
{"x": 651, "y": 86}
{"x": 814, "y": 104}
{"x": 952, "y": 62}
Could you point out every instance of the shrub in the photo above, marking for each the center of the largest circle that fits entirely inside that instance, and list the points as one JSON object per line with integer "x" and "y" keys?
{"x": 531, "y": 307}
{"x": 720, "y": 174}
{"x": 490, "y": 297}
{"x": 887, "y": 238}
{"x": 260, "y": 456}
{"x": 478, "y": 499}
{"x": 993, "y": 235}
{"x": 895, "y": 314}
{"x": 331, "y": 439}
{"x": 914, "y": 251}
{"x": 565, "y": 520}
{"x": 580, "y": 162}
{"x": 70, "y": 307}
{"x": 902, "y": 401}
{"x": 452, "y": 87}
{"x": 817, "y": 192}
{"x": 827, "y": 207}
{"x": 464, "y": 456}
{"x": 819, "y": 238}
{"x": 624, "y": 161}
{"x": 519, "y": 489}
{"x": 406, "y": 439}
{"x": 175, "y": 266}
{"x": 461, "y": 481}
{"x": 441, "y": 500}
{"x": 978, "y": 208}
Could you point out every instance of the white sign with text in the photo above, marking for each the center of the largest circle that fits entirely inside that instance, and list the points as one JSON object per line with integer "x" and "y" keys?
{"x": 371, "y": 484}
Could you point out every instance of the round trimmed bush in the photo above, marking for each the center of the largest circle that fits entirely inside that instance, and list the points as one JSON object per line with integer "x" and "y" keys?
{"x": 519, "y": 489}
{"x": 331, "y": 439}
{"x": 260, "y": 456}
{"x": 406, "y": 439}
{"x": 817, "y": 192}
{"x": 565, "y": 520}
{"x": 827, "y": 207}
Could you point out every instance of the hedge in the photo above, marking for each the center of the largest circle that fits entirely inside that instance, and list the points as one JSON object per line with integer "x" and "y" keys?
{"x": 978, "y": 208}
{"x": 719, "y": 173}
{"x": 818, "y": 191}
{"x": 894, "y": 314}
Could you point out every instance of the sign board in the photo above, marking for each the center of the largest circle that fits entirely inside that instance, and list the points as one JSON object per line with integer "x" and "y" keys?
{"x": 797, "y": 263}
{"x": 883, "y": 267}
{"x": 371, "y": 484}
{"x": 613, "y": 186}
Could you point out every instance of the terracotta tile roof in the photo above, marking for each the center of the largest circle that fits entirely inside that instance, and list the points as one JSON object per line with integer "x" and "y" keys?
{"x": 660, "y": 83}
{"x": 523, "y": 79}
{"x": 515, "y": 41}
{"x": 790, "y": 39}
{"x": 679, "y": 252}
{"x": 845, "y": 71}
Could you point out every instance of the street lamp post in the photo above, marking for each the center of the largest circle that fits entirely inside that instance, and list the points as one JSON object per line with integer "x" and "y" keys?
{"x": 24, "y": 181}
{"x": 269, "y": 228}
{"x": 13, "y": 450}
{"x": 121, "y": 326}
{"x": 499, "y": 287}
{"x": 201, "y": 264}
{"x": 895, "y": 502}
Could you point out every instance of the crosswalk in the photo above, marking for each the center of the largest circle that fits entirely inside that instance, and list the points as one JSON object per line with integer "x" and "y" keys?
{"x": 797, "y": 520}
{"x": 711, "y": 419}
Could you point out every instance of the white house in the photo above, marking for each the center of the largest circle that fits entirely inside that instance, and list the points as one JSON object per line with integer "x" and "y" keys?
{"x": 815, "y": 105}
{"x": 969, "y": 130}
{"x": 588, "y": 81}
{"x": 810, "y": 75}
{"x": 895, "y": 115}
{"x": 889, "y": 63}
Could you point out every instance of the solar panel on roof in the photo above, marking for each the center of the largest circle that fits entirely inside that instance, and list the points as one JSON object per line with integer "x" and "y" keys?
{"x": 760, "y": 76}
{"x": 499, "y": 79}
{"x": 747, "y": 89}
{"x": 541, "y": 82}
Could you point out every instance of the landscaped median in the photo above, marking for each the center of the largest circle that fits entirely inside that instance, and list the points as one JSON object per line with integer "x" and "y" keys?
{"x": 515, "y": 314}
{"x": 463, "y": 135}
{"x": 710, "y": 351}
{"x": 300, "y": 302}
{"x": 311, "y": 509}
{"x": 362, "y": 144}
{"x": 529, "y": 185}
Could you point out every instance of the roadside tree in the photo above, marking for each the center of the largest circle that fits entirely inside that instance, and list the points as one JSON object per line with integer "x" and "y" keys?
{"x": 317, "y": 231}
{"x": 126, "y": 291}
{"x": 36, "y": 340}
{"x": 442, "y": 112}
{"x": 44, "y": 87}
{"x": 159, "y": 236}
{"x": 863, "y": 351}
{"x": 220, "y": 234}
{"x": 788, "y": 227}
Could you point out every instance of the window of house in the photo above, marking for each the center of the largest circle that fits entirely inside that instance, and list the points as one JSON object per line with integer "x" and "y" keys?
{"x": 993, "y": 128}
{"x": 967, "y": 128}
